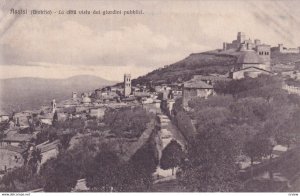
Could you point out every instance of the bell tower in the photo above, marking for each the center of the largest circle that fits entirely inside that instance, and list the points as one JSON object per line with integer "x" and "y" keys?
{"x": 53, "y": 105}
{"x": 127, "y": 85}
{"x": 241, "y": 37}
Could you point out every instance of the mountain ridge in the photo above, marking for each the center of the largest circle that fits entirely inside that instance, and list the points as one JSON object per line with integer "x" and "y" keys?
{"x": 22, "y": 93}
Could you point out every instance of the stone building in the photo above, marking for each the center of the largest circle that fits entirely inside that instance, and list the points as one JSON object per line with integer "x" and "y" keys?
{"x": 195, "y": 88}
{"x": 48, "y": 150}
{"x": 241, "y": 43}
{"x": 235, "y": 44}
{"x": 264, "y": 52}
{"x": 127, "y": 85}
{"x": 16, "y": 139}
{"x": 74, "y": 95}
{"x": 212, "y": 79}
{"x": 97, "y": 112}
{"x": 4, "y": 117}
{"x": 86, "y": 101}
{"x": 53, "y": 106}
{"x": 250, "y": 64}
{"x": 280, "y": 48}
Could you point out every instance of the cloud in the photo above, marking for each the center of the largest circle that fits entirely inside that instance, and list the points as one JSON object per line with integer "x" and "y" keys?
{"x": 166, "y": 33}
{"x": 72, "y": 43}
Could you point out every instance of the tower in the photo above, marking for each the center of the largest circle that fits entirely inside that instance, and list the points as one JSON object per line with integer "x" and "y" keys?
{"x": 264, "y": 51}
{"x": 280, "y": 47}
{"x": 74, "y": 95}
{"x": 53, "y": 104}
{"x": 241, "y": 37}
{"x": 257, "y": 42}
{"x": 224, "y": 46}
{"x": 127, "y": 85}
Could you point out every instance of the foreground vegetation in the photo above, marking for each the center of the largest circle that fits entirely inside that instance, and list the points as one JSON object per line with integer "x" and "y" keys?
{"x": 247, "y": 119}
{"x": 243, "y": 122}
{"x": 95, "y": 158}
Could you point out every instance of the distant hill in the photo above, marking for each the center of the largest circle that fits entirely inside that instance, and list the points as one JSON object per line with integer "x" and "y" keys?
{"x": 30, "y": 93}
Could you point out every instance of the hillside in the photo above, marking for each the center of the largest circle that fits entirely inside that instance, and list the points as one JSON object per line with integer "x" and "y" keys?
{"x": 30, "y": 93}
{"x": 212, "y": 62}
{"x": 286, "y": 59}
{"x": 198, "y": 63}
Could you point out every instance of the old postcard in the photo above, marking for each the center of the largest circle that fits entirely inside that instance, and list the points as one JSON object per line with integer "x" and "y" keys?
{"x": 149, "y": 96}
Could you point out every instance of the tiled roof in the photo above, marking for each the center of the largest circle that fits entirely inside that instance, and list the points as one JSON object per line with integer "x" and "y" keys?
{"x": 254, "y": 68}
{"x": 13, "y": 148}
{"x": 196, "y": 83}
{"x": 47, "y": 115}
{"x": 45, "y": 147}
{"x": 18, "y": 137}
{"x": 211, "y": 78}
{"x": 141, "y": 94}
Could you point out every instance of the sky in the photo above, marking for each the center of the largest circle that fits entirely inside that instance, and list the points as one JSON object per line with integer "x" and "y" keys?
{"x": 61, "y": 45}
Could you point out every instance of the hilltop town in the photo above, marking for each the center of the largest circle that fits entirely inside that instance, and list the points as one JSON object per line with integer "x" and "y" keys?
{"x": 141, "y": 113}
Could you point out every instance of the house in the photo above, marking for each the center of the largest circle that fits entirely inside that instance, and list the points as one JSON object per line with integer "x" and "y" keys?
{"x": 86, "y": 100}
{"x": 11, "y": 157}
{"x": 21, "y": 119}
{"x": 129, "y": 99}
{"x": 167, "y": 106}
{"x": 48, "y": 150}
{"x": 108, "y": 93}
{"x": 212, "y": 79}
{"x": 97, "y": 112}
{"x": 4, "y": 117}
{"x": 153, "y": 106}
{"x": 141, "y": 94}
{"x": 46, "y": 119}
{"x": 195, "y": 88}
{"x": 16, "y": 139}
{"x": 69, "y": 103}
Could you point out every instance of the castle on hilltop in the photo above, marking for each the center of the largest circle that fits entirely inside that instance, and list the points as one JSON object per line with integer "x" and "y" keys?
{"x": 242, "y": 40}
{"x": 243, "y": 44}
{"x": 254, "y": 57}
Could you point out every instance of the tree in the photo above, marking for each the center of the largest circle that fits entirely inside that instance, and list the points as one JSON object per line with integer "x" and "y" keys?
{"x": 65, "y": 140}
{"x": 214, "y": 101}
{"x": 20, "y": 179}
{"x": 55, "y": 119}
{"x": 263, "y": 86}
{"x": 256, "y": 148}
{"x": 60, "y": 174}
{"x": 2, "y": 135}
{"x": 102, "y": 172}
{"x": 35, "y": 159}
{"x": 52, "y": 134}
{"x": 127, "y": 122}
{"x": 172, "y": 156}
{"x": 210, "y": 164}
{"x": 144, "y": 162}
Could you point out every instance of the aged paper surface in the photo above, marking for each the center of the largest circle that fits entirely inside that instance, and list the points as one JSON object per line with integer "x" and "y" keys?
{"x": 149, "y": 96}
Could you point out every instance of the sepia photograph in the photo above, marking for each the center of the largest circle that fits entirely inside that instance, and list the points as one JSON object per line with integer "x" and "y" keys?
{"x": 159, "y": 96}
